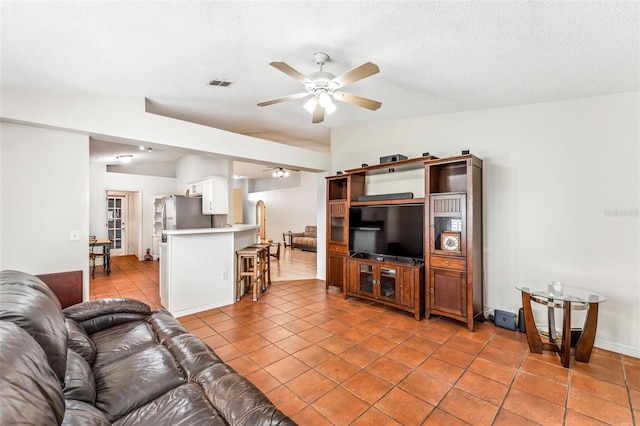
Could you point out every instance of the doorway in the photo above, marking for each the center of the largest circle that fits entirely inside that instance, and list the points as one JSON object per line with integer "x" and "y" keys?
{"x": 123, "y": 222}
{"x": 261, "y": 219}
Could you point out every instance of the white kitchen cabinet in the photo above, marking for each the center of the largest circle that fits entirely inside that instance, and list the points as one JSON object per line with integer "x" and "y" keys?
{"x": 215, "y": 196}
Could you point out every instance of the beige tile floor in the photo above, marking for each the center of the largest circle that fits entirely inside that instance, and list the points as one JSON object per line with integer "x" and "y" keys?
{"x": 327, "y": 360}
{"x": 293, "y": 264}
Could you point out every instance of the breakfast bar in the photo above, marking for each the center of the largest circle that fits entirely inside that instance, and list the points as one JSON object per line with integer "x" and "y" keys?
{"x": 197, "y": 267}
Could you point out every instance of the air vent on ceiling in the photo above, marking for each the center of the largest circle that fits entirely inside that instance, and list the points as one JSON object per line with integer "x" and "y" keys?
{"x": 220, "y": 83}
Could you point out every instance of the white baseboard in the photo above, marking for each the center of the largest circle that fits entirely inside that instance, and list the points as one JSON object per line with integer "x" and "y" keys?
{"x": 617, "y": 347}
{"x": 599, "y": 343}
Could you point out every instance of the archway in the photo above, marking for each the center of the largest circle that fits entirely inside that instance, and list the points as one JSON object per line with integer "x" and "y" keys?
{"x": 261, "y": 219}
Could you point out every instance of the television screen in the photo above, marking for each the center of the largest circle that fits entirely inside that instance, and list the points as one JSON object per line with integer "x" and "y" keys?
{"x": 390, "y": 230}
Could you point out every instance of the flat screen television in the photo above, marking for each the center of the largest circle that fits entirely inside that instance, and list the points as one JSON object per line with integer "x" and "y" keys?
{"x": 388, "y": 230}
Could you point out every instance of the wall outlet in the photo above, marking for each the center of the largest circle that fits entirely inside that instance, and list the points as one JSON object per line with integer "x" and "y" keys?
{"x": 75, "y": 235}
{"x": 225, "y": 275}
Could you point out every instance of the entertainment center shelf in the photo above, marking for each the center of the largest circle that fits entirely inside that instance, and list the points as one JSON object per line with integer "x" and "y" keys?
{"x": 396, "y": 166}
{"x": 388, "y": 202}
{"x": 442, "y": 273}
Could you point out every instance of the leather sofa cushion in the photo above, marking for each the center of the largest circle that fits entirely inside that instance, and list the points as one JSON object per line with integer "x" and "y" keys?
{"x": 192, "y": 354}
{"x": 80, "y": 413}
{"x": 118, "y": 342}
{"x": 41, "y": 317}
{"x": 80, "y": 342}
{"x": 120, "y": 392}
{"x": 237, "y": 398}
{"x": 79, "y": 382}
{"x": 100, "y": 307}
{"x": 30, "y": 391}
{"x": 185, "y": 405}
{"x": 99, "y": 314}
{"x": 165, "y": 325}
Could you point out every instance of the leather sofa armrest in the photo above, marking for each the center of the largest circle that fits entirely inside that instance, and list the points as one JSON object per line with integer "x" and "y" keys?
{"x": 297, "y": 234}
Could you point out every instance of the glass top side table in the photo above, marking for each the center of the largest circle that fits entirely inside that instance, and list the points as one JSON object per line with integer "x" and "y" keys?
{"x": 567, "y": 299}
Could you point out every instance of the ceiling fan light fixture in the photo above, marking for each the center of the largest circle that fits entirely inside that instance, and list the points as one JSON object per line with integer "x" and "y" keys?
{"x": 310, "y": 105}
{"x": 330, "y": 109}
{"x": 280, "y": 173}
{"x": 124, "y": 158}
{"x": 324, "y": 99}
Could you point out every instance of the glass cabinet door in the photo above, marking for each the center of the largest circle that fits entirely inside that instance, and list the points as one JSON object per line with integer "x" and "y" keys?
{"x": 337, "y": 229}
{"x": 367, "y": 279}
{"x": 337, "y": 222}
{"x": 448, "y": 230}
{"x": 387, "y": 283}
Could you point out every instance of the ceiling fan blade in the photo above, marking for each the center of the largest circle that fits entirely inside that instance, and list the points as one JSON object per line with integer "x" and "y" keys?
{"x": 363, "y": 71}
{"x": 357, "y": 100}
{"x": 318, "y": 114}
{"x": 283, "y": 99}
{"x": 281, "y": 66}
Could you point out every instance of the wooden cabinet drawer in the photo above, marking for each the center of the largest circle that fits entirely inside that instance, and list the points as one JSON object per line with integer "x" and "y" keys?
{"x": 448, "y": 263}
{"x": 338, "y": 249}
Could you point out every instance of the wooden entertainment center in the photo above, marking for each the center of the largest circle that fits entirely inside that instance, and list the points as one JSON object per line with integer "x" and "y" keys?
{"x": 447, "y": 278}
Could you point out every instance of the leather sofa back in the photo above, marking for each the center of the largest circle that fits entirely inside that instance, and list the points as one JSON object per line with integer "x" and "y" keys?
{"x": 27, "y": 302}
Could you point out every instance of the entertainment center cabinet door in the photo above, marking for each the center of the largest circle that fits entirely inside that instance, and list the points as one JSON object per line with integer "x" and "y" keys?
{"x": 361, "y": 279}
{"x": 335, "y": 267}
{"x": 411, "y": 292}
{"x": 448, "y": 294}
{"x": 336, "y": 243}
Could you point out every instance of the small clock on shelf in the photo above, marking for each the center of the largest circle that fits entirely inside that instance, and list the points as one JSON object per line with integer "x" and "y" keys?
{"x": 450, "y": 241}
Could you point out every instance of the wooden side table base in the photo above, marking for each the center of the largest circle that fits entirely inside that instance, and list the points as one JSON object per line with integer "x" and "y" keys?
{"x": 563, "y": 347}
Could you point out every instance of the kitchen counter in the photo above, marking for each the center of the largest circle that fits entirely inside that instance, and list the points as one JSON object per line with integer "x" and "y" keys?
{"x": 197, "y": 267}
{"x": 233, "y": 228}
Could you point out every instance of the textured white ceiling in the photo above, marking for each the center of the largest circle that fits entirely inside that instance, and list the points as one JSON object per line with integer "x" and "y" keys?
{"x": 435, "y": 57}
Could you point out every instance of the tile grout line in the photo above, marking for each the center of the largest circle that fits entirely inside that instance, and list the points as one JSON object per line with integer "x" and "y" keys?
{"x": 628, "y": 388}
{"x": 513, "y": 379}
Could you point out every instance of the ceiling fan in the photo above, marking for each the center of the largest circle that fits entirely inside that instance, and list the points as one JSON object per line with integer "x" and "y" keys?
{"x": 323, "y": 86}
{"x": 279, "y": 172}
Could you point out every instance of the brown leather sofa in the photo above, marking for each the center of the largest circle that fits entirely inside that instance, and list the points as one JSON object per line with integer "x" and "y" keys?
{"x": 112, "y": 361}
{"x": 306, "y": 240}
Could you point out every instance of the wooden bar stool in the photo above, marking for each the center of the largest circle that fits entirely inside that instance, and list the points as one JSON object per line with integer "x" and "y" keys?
{"x": 249, "y": 271}
{"x": 265, "y": 263}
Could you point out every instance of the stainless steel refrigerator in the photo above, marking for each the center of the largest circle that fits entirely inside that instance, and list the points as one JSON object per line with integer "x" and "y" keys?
{"x": 180, "y": 212}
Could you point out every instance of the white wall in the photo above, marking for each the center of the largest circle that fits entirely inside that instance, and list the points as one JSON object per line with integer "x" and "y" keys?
{"x": 561, "y": 195}
{"x": 148, "y": 186}
{"x": 44, "y": 181}
{"x": 288, "y": 209}
{"x": 191, "y": 168}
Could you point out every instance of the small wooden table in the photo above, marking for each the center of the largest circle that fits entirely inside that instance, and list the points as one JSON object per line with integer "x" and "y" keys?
{"x": 568, "y": 299}
{"x": 106, "y": 249}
